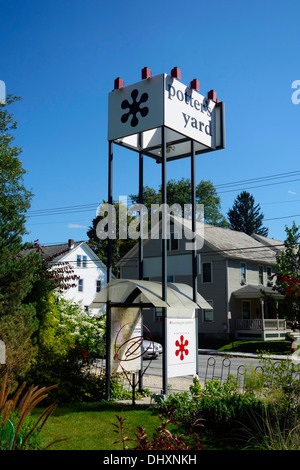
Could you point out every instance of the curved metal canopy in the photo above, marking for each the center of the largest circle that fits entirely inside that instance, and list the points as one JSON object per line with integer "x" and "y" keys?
{"x": 131, "y": 292}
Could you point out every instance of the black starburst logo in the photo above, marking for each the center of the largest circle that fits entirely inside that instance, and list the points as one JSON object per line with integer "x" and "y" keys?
{"x": 135, "y": 108}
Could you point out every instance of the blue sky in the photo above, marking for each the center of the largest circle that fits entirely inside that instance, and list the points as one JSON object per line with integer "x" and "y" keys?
{"x": 62, "y": 57}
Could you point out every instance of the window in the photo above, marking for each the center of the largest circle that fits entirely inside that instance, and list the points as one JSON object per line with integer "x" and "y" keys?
{"x": 172, "y": 242}
{"x": 98, "y": 285}
{"x": 80, "y": 285}
{"x": 269, "y": 274}
{"x": 260, "y": 275}
{"x": 158, "y": 314}
{"x": 78, "y": 261}
{"x": 84, "y": 261}
{"x": 246, "y": 309}
{"x": 243, "y": 273}
{"x": 206, "y": 272}
{"x": 208, "y": 315}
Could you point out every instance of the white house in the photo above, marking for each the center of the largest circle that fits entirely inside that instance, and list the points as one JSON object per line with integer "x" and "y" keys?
{"x": 91, "y": 271}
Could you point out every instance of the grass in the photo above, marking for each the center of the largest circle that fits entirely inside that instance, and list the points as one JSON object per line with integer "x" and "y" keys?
{"x": 89, "y": 425}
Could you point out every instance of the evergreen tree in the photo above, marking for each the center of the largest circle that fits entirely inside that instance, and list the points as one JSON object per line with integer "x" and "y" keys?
{"x": 245, "y": 215}
{"x": 17, "y": 273}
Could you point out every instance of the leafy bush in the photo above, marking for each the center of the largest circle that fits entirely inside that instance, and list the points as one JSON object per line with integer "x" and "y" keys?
{"x": 221, "y": 406}
{"x": 162, "y": 438}
{"x": 68, "y": 340}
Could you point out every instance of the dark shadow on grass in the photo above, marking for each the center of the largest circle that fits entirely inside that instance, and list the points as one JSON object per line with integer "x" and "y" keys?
{"x": 111, "y": 406}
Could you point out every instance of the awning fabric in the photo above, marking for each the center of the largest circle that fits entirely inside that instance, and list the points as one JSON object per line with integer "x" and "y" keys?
{"x": 136, "y": 292}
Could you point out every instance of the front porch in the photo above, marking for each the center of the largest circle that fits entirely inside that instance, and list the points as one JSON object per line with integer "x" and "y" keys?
{"x": 260, "y": 329}
{"x": 259, "y": 314}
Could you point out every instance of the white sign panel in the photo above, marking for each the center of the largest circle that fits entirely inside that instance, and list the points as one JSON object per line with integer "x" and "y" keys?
{"x": 181, "y": 357}
{"x": 136, "y": 108}
{"x": 126, "y": 339}
{"x": 139, "y": 111}
{"x": 189, "y": 113}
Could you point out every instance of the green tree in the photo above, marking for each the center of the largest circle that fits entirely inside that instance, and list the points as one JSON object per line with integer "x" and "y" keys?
{"x": 246, "y": 216}
{"x": 287, "y": 279}
{"x": 121, "y": 246}
{"x": 17, "y": 273}
{"x": 179, "y": 192}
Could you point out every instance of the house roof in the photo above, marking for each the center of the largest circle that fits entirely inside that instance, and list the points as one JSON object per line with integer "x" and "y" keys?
{"x": 270, "y": 242}
{"x": 57, "y": 252}
{"x": 250, "y": 291}
{"x": 229, "y": 244}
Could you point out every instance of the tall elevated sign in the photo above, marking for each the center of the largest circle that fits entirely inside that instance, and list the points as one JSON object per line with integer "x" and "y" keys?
{"x": 161, "y": 118}
{"x": 137, "y": 112}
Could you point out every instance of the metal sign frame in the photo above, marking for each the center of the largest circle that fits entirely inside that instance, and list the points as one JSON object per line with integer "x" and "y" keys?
{"x": 160, "y": 152}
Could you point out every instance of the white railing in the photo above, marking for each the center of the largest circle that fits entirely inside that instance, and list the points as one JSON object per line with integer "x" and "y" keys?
{"x": 259, "y": 324}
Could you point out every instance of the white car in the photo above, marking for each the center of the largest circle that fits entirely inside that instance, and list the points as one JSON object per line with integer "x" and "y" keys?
{"x": 150, "y": 349}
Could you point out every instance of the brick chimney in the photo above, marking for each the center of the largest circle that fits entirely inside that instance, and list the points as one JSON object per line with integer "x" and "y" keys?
{"x": 70, "y": 244}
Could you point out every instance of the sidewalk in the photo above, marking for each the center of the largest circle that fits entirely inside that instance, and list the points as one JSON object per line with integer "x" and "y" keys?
{"x": 213, "y": 352}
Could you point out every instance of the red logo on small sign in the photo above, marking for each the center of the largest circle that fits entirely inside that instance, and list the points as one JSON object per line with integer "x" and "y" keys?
{"x": 181, "y": 348}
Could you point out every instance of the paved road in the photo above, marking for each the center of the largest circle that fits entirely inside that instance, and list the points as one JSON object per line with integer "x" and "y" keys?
{"x": 210, "y": 365}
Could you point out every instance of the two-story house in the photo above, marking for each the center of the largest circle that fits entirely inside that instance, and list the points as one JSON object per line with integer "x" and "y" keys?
{"x": 233, "y": 270}
{"x": 90, "y": 270}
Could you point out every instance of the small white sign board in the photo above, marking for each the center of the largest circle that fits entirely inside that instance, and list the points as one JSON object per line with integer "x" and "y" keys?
{"x": 181, "y": 357}
{"x": 126, "y": 339}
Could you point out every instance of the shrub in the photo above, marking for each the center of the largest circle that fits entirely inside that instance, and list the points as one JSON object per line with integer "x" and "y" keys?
{"x": 162, "y": 438}
{"x": 221, "y": 407}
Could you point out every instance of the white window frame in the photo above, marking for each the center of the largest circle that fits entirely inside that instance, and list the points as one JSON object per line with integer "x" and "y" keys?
{"x": 209, "y": 312}
{"x": 98, "y": 281}
{"x": 243, "y": 280}
{"x": 80, "y": 285}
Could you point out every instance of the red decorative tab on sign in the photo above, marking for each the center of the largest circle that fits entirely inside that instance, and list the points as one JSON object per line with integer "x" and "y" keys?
{"x": 176, "y": 73}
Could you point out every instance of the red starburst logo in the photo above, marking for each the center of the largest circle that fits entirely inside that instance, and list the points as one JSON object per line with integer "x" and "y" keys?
{"x": 181, "y": 347}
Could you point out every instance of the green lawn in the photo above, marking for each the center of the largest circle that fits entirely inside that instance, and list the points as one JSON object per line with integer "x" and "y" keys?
{"x": 89, "y": 426}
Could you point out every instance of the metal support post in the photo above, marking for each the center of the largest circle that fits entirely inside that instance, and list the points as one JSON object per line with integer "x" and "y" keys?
{"x": 109, "y": 270}
{"x": 141, "y": 246}
{"x": 164, "y": 257}
{"x": 194, "y": 251}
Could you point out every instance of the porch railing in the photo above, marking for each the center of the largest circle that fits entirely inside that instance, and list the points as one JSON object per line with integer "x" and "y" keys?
{"x": 260, "y": 324}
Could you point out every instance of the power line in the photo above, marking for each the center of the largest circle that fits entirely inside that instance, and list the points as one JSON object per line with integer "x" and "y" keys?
{"x": 92, "y": 206}
{"x": 263, "y": 178}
